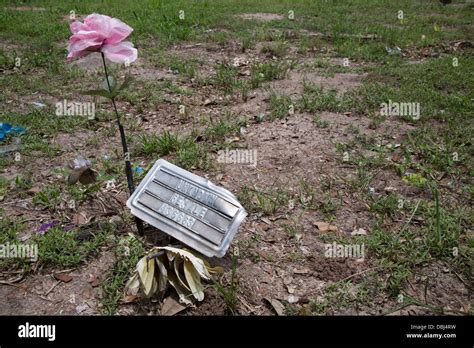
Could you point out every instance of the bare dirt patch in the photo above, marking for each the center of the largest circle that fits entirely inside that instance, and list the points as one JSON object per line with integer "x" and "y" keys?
{"x": 49, "y": 296}
{"x": 295, "y": 82}
{"x": 27, "y": 8}
{"x": 266, "y": 17}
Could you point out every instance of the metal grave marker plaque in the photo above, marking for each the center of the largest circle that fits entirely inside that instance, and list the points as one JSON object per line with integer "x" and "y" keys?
{"x": 188, "y": 207}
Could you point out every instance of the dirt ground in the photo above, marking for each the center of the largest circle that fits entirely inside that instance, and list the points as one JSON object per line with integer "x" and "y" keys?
{"x": 274, "y": 266}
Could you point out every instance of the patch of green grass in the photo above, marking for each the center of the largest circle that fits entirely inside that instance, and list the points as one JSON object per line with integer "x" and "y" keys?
{"x": 17, "y": 186}
{"x": 80, "y": 193}
{"x": 328, "y": 205}
{"x": 186, "y": 68}
{"x": 188, "y": 152}
{"x": 23, "y": 182}
{"x": 268, "y": 202}
{"x": 10, "y": 229}
{"x": 229, "y": 291}
{"x": 290, "y": 229}
{"x": 226, "y": 77}
{"x": 171, "y": 87}
{"x": 442, "y": 151}
{"x": 328, "y": 69}
{"x": 57, "y": 247}
{"x": 216, "y": 36}
{"x": 319, "y": 122}
{"x": 275, "y": 49}
{"x": 316, "y": 99}
{"x": 35, "y": 143}
{"x": 342, "y": 295}
{"x": 280, "y": 106}
{"x": 363, "y": 178}
{"x": 226, "y": 126}
{"x": 389, "y": 205}
{"x": 162, "y": 144}
{"x": 128, "y": 252}
{"x": 192, "y": 155}
{"x": 4, "y": 186}
{"x": 244, "y": 87}
{"x": 268, "y": 71}
{"x": 247, "y": 42}
{"x": 402, "y": 251}
{"x": 9, "y": 236}
{"x": 43, "y": 122}
{"x": 306, "y": 193}
{"x": 309, "y": 44}
{"x": 114, "y": 166}
{"x": 48, "y": 197}
{"x": 146, "y": 95}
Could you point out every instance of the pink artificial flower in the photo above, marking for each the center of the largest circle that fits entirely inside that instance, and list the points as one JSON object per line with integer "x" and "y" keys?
{"x": 101, "y": 33}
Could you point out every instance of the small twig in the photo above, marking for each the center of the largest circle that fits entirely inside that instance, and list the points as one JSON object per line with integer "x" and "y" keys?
{"x": 411, "y": 217}
{"x": 158, "y": 254}
{"x": 459, "y": 277}
{"x": 101, "y": 202}
{"x": 52, "y": 288}
{"x": 242, "y": 300}
{"x": 14, "y": 280}
{"x": 415, "y": 302}
{"x": 15, "y": 202}
{"x": 398, "y": 308}
{"x": 426, "y": 289}
{"x": 362, "y": 272}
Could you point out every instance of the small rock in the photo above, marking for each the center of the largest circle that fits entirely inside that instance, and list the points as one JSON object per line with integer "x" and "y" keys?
{"x": 293, "y": 299}
{"x": 81, "y": 308}
{"x": 324, "y": 226}
{"x": 390, "y": 189}
{"x": 359, "y": 232}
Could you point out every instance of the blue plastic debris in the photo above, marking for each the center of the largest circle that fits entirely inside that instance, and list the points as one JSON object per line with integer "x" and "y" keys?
{"x": 7, "y": 128}
{"x": 138, "y": 170}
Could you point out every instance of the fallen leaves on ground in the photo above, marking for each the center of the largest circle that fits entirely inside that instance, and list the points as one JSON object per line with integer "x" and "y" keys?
{"x": 165, "y": 266}
{"x": 66, "y": 278}
{"x": 171, "y": 306}
{"x": 324, "y": 226}
{"x": 80, "y": 218}
{"x": 277, "y": 305}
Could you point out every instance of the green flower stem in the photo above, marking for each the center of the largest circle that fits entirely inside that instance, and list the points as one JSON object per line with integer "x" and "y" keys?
{"x": 128, "y": 165}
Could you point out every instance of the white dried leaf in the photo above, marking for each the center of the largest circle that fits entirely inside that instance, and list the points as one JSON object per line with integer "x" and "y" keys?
{"x": 177, "y": 263}
{"x": 162, "y": 276}
{"x": 178, "y": 267}
{"x": 194, "y": 281}
{"x": 132, "y": 287}
{"x": 184, "y": 296}
{"x": 146, "y": 271}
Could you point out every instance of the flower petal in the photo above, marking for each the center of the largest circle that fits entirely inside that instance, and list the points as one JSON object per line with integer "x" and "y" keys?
{"x": 122, "y": 52}
{"x": 98, "y": 23}
{"x": 77, "y": 26}
{"x": 96, "y": 33}
{"x": 82, "y": 43}
{"x": 118, "y": 31}
{"x": 112, "y": 29}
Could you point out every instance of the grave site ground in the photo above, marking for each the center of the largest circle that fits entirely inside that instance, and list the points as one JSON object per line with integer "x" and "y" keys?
{"x": 298, "y": 84}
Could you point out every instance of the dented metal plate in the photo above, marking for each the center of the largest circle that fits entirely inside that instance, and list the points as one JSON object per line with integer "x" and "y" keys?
{"x": 188, "y": 207}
